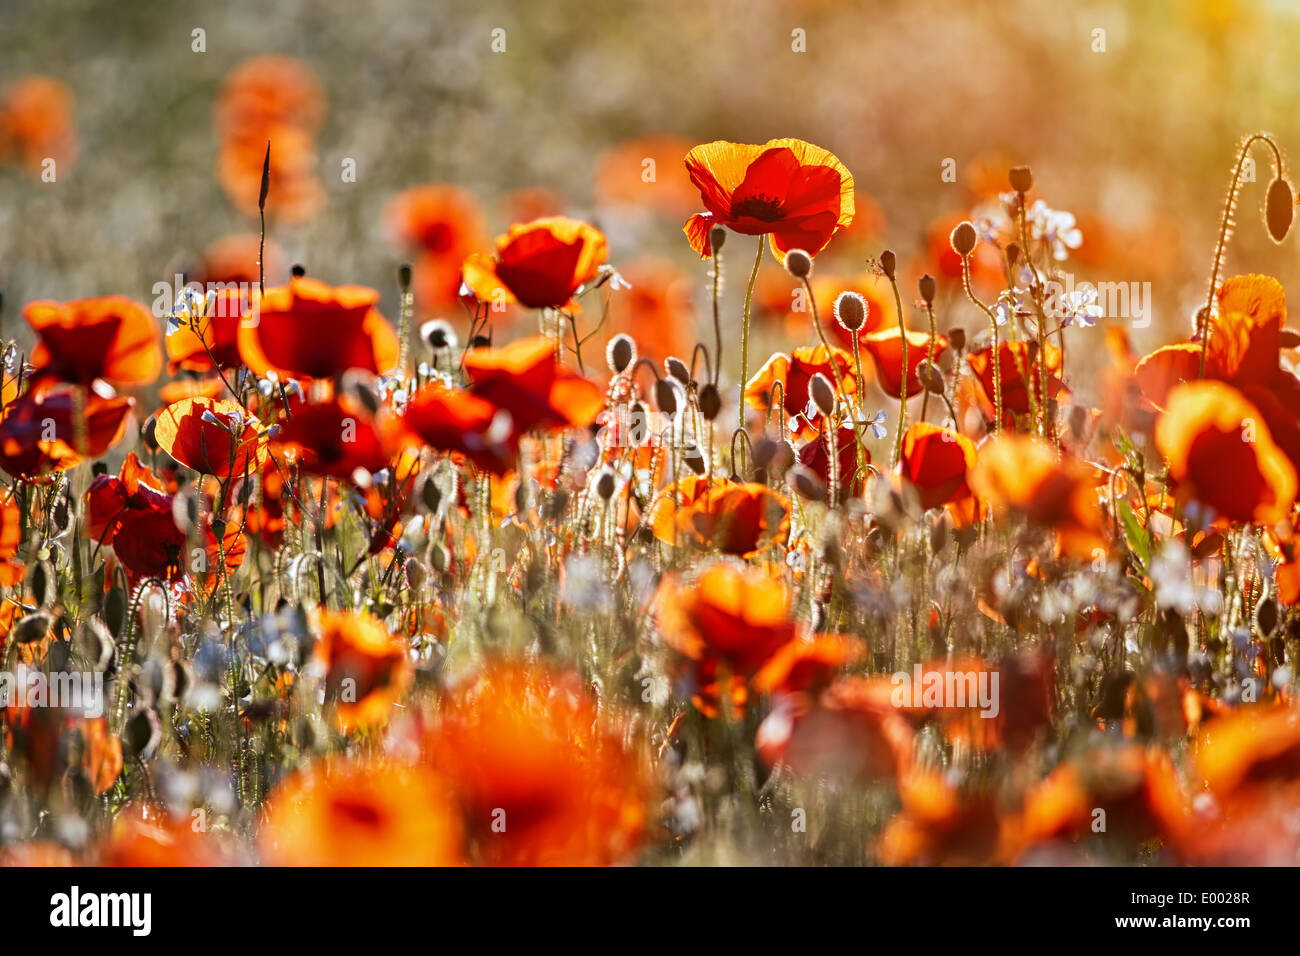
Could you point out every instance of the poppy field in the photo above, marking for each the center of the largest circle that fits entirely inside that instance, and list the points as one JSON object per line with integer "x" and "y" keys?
{"x": 683, "y": 491}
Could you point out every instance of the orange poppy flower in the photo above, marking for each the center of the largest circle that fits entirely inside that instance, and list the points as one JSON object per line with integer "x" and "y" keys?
{"x": 219, "y": 438}
{"x": 794, "y": 372}
{"x": 1252, "y": 745}
{"x": 808, "y": 662}
{"x": 354, "y": 813}
{"x": 941, "y": 824}
{"x": 36, "y": 123}
{"x": 541, "y": 775}
{"x": 33, "y": 853}
{"x": 1221, "y": 453}
{"x": 41, "y": 434}
{"x": 140, "y": 837}
{"x": 797, "y": 194}
{"x": 524, "y": 379}
{"x": 110, "y": 337}
{"x": 540, "y": 264}
{"x": 54, "y": 740}
{"x": 367, "y": 670}
{"x": 736, "y": 518}
{"x": 442, "y": 224}
{"x": 454, "y": 420}
{"x": 656, "y": 311}
{"x": 813, "y": 454}
{"x": 1020, "y": 371}
{"x": 736, "y": 615}
{"x": 935, "y": 461}
{"x": 886, "y": 349}
{"x": 276, "y": 99}
{"x": 336, "y": 439}
{"x": 1017, "y": 473}
{"x": 308, "y": 329}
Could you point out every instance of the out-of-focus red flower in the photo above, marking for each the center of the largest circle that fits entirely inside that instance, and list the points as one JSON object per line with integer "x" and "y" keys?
{"x": 336, "y": 438}
{"x": 442, "y": 225}
{"x": 219, "y": 438}
{"x": 795, "y": 193}
{"x": 539, "y": 264}
{"x": 539, "y": 771}
{"x": 525, "y": 379}
{"x": 366, "y": 669}
{"x": 646, "y": 173}
{"x": 794, "y": 372}
{"x": 454, "y": 420}
{"x": 308, "y": 329}
{"x": 1021, "y": 373}
{"x": 935, "y": 461}
{"x": 740, "y": 518}
{"x": 110, "y": 337}
{"x": 41, "y": 434}
{"x": 36, "y": 123}
{"x": 886, "y": 350}
{"x": 1221, "y": 453}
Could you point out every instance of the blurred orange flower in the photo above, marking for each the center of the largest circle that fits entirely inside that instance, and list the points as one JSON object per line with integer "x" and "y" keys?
{"x": 442, "y": 224}
{"x": 794, "y": 372}
{"x": 367, "y": 670}
{"x": 41, "y": 434}
{"x": 886, "y": 350}
{"x": 646, "y": 173}
{"x": 525, "y": 379}
{"x": 110, "y": 337}
{"x": 358, "y": 813}
{"x": 1221, "y": 453}
{"x": 308, "y": 329}
{"x": 935, "y": 461}
{"x": 454, "y": 420}
{"x": 36, "y": 123}
{"x": 795, "y": 193}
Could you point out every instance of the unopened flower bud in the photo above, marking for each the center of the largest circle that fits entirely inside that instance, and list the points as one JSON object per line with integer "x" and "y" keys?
{"x": 677, "y": 369}
{"x": 963, "y": 239}
{"x": 1022, "y": 180}
{"x": 717, "y": 239}
{"x": 957, "y": 338}
{"x": 927, "y": 288}
{"x": 621, "y": 353}
{"x": 850, "y": 311}
{"x": 798, "y": 263}
{"x": 889, "y": 264}
{"x": 822, "y": 392}
{"x": 710, "y": 401}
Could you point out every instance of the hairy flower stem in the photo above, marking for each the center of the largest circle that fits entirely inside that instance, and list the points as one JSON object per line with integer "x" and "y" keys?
{"x": 902, "y": 388}
{"x": 1225, "y": 233}
{"x": 929, "y": 360}
{"x": 744, "y": 331}
{"x": 997, "y": 357}
{"x": 717, "y": 321}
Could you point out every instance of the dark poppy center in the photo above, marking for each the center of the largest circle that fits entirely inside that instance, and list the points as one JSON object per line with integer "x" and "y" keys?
{"x": 760, "y": 206}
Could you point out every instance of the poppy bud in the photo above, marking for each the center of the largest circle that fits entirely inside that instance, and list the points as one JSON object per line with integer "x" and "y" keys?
{"x": 806, "y": 483}
{"x": 438, "y": 335}
{"x": 298, "y": 271}
{"x": 605, "y": 483}
{"x": 404, "y": 277}
{"x": 888, "y": 264}
{"x": 666, "y": 396}
{"x": 932, "y": 378}
{"x": 957, "y": 338}
{"x": 677, "y": 369}
{"x": 1078, "y": 420}
{"x": 1013, "y": 254}
{"x": 717, "y": 238}
{"x": 798, "y": 263}
{"x": 1278, "y": 209}
{"x": 963, "y": 239}
{"x": 480, "y": 342}
{"x": 1022, "y": 180}
{"x": 774, "y": 456}
{"x": 416, "y": 574}
{"x": 31, "y": 628}
{"x": 850, "y": 311}
{"x": 694, "y": 458}
{"x": 823, "y": 394}
{"x": 621, "y": 353}
{"x": 148, "y": 433}
{"x": 927, "y": 288}
{"x": 218, "y": 528}
{"x": 710, "y": 401}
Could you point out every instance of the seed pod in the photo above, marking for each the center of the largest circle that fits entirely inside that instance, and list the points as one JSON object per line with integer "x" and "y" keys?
{"x": 1266, "y": 616}
{"x": 889, "y": 264}
{"x": 807, "y": 483}
{"x": 957, "y": 337}
{"x": 666, "y": 396}
{"x": 621, "y": 353}
{"x": 963, "y": 239}
{"x": 932, "y": 378}
{"x": 438, "y": 335}
{"x": 1278, "y": 209}
{"x": 404, "y": 276}
{"x": 774, "y": 456}
{"x": 416, "y": 575}
{"x": 148, "y": 434}
{"x": 927, "y": 288}
{"x": 677, "y": 369}
{"x": 1022, "y": 180}
{"x": 798, "y": 263}
{"x": 1013, "y": 254}
{"x": 850, "y": 311}
{"x": 710, "y": 401}
{"x": 717, "y": 238}
{"x": 823, "y": 393}
{"x": 605, "y": 483}
{"x": 694, "y": 458}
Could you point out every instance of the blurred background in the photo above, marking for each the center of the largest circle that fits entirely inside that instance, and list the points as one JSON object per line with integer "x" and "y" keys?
{"x": 1130, "y": 115}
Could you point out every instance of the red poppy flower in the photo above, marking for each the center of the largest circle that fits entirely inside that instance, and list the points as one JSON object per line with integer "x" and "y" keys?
{"x": 454, "y": 420}
{"x": 1221, "y": 453}
{"x": 735, "y": 518}
{"x": 795, "y": 193}
{"x": 36, "y": 123}
{"x": 40, "y": 434}
{"x": 886, "y": 349}
{"x": 813, "y": 454}
{"x": 110, "y": 337}
{"x": 794, "y": 372}
{"x": 1020, "y": 371}
{"x": 539, "y": 264}
{"x": 210, "y": 339}
{"x": 308, "y": 329}
{"x": 442, "y": 224}
{"x": 366, "y": 669}
{"x": 524, "y": 379}
{"x": 935, "y": 461}
{"x": 336, "y": 439}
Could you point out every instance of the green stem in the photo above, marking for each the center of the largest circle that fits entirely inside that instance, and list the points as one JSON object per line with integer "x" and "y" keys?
{"x": 744, "y": 333}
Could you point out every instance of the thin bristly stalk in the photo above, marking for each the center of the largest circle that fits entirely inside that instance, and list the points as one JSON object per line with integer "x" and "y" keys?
{"x": 929, "y": 361}
{"x": 1226, "y": 224}
{"x": 997, "y": 358}
{"x": 744, "y": 331}
{"x": 717, "y": 321}
{"x": 902, "y": 387}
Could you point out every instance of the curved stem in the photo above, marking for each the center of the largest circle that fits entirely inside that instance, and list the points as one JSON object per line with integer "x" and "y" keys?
{"x": 744, "y": 332}
{"x": 902, "y": 387}
{"x": 997, "y": 357}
